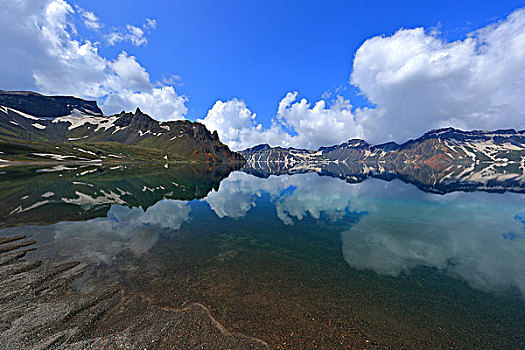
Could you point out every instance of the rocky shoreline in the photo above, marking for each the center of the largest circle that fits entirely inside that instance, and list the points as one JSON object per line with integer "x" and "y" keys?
{"x": 39, "y": 309}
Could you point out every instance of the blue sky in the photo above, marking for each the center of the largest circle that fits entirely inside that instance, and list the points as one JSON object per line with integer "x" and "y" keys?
{"x": 260, "y": 50}
{"x": 303, "y": 74}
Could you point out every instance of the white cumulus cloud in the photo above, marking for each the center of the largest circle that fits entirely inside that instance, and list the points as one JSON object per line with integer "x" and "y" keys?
{"x": 297, "y": 124}
{"x": 237, "y": 126}
{"x": 418, "y": 81}
{"x": 43, "y": 52}
{"x": 162, "y": 103}
{"x": 415, "y": 81}
{"x": 132, "y": 74}
{"x": 324, "y": 123}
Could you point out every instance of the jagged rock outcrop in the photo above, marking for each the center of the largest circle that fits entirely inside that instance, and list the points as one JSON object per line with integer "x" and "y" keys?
{"x": 67, "y": 128}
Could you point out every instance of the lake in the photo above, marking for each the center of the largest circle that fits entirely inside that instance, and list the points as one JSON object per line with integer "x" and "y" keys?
{"x": 304, "y": 260}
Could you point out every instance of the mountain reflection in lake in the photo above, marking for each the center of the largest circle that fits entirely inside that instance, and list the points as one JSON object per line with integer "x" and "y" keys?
{"x": 302, "y": 260}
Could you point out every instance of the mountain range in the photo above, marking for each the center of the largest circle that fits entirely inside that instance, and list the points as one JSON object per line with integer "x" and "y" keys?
{"x": 35, "y": 127}
{"x": 443, "y": 146}
{"x": 440, "y": 161}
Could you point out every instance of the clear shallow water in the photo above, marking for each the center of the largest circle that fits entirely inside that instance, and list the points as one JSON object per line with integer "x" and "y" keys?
{"x": 297, "y": 260}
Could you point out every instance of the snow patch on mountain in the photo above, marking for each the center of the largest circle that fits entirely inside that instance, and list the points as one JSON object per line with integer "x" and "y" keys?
{"x": 77, "y": 119}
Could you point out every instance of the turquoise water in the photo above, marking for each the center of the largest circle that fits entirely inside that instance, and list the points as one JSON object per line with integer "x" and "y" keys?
{"x": 301, "y": 261}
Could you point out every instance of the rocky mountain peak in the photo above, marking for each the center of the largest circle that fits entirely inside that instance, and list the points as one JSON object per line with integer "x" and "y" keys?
{"x": 356, "y": 143}
{"x": 261, "y": 147}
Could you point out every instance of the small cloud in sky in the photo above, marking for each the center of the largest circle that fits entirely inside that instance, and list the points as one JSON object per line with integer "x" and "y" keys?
{"x": 150, "y": 24}
{"x": 89, "y": 19}
{"x": 326, "y": 95}
{"x": 175, "y": 80}
{"x": 135, "y": 35}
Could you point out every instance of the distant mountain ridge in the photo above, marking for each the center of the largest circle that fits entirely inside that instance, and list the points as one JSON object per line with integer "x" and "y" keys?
{"x": 63, "y": 128}
{"x": 441, "y": 161}
{"x": 447, "y": 145}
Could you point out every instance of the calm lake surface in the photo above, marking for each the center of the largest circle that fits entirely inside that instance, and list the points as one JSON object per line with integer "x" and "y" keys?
{"x": 300, "y": 261}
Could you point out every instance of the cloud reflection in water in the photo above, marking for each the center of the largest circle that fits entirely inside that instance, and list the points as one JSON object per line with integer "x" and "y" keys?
{"x": 124, "y": 228}
{"x": 476, "y": 237}
{"x": 294, "y": 196}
